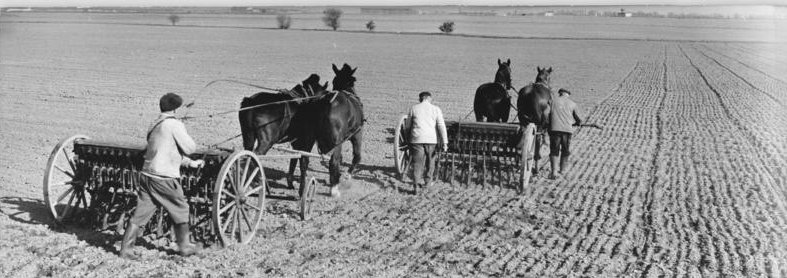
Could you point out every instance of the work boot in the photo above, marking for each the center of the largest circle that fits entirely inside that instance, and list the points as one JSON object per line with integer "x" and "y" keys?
{"x": 129, "y": 237}
{"x": 185, "y": 247}
{"x": 553, "y": 160}
{"x": 563, "y": 164}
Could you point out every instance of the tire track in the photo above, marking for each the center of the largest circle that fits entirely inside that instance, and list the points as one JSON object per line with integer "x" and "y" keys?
{"x": 714, "y": 241}
{"x": 741, "y": 126}
{"x": 650, "y": 195}
{"x": 745, "y": 64}
{"x": 769, "y": 95}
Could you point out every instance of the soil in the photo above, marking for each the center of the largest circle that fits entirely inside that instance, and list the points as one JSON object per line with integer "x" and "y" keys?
{"x": 685, "y": 179}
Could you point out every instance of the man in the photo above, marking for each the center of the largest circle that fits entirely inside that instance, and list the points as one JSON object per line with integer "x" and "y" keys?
{"x": 159, "y": 185}
{"x": 424, "y": 121}
{"x": 562, "y": 119}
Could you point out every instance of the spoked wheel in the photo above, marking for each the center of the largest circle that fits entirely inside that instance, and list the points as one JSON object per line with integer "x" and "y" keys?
{"x": 239, "y": 198}
{"x": 308, "y": 198}
{"x": 528, "y": 150}
{"x": 401, "y": 148}
{"x": 64, "y": 182}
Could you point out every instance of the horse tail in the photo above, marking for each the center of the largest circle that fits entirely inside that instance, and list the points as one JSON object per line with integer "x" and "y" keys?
{"x": 246, "y": 128}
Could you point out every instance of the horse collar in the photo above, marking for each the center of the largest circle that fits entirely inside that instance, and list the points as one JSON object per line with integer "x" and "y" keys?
{"x": 544, "y": 84}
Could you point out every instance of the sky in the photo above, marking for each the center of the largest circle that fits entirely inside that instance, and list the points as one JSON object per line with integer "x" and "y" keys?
{"x": 87, "y": 3}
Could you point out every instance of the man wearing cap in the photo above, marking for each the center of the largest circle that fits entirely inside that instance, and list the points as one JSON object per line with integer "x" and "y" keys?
{"x": 168, "y": 145}
{"x": 424, "y": 121}
{"x": 562, "y": 119}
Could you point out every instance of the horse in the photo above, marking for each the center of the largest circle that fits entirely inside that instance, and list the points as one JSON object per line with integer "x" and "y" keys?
{"x": 533, "y": 105}
{"x": 491, "y": 99}
{"x": 331, "y": 123}
{"x": 277, "y": 123}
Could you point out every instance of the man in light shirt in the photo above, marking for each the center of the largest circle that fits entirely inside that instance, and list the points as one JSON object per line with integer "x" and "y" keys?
{"x": 562, "y": 120}
{"x": 424, "y": 121}
{"x": 159, "y": 185}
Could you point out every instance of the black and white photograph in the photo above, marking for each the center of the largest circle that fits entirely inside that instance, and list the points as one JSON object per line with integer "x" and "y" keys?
{"x": 383, "y": 138}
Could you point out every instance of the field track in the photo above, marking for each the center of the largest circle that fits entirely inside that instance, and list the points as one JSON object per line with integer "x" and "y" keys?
{"x": 687, "y": 179}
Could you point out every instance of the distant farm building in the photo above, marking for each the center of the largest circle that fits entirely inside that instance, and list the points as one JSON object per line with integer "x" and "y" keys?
{"x": 388, "y": 10}
{"x": 623, "y": 13}
{"x": 247, "y": 10}
{"x": 550, "y": 13}
{"x": 12, "y": 10}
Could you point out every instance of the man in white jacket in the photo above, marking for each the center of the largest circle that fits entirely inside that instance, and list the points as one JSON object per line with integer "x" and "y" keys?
{"x": 424, "y": 121}
{"x": 159, "y": 185}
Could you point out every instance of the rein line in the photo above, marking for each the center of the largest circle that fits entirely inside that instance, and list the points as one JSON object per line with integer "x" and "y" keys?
{"x": 247, "y": 84}
{"x": 251, "y": 107}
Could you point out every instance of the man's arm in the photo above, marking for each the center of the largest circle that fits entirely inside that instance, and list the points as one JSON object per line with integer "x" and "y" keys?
{"x": 577, "y": 119}
{"x": 186, "y": 145}
{"x": 182, "y": 138}
{"x": 408, "y": 125}
{"x": 441, "y": 127}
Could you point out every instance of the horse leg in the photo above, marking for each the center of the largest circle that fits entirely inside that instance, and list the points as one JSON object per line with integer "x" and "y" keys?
{"x": 301, "y": 145}
{"x": 537, "y": 154}
{"x": 248, "y": 133}
{"x": 304, "y": 168}
{"x": 357, "y": 141}
{"x": 334, "y": 170}
{"x": 506, "y": 111}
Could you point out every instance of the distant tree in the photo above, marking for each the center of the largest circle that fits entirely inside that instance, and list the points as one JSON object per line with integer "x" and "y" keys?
{"x": 174, "y": 19}
{"x": 284, "y": 21}
{"x": 447, "y": 27}
{"x": 331, "y": 17}
{"x": 370, "y": 25}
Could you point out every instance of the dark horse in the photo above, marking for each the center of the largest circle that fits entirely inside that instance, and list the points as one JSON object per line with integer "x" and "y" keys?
{"x": 331, "y": 123}
{"x": 282, "y": 120}
{"x": 491, "y": 99}
{"x": 341, "y": 120}
{"x": 533, "y": 106}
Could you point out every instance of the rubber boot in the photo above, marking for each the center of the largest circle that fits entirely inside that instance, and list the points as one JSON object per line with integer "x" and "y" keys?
{"x": 563, "y": 164}
{"x": 129, "y": 237}
{"x": 553, "y": 161}
{"x": 185, "y": 247}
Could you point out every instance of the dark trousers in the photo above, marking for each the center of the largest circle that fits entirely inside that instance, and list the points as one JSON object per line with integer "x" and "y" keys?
{"x": 153, "y": 192}
{"x": 423, "y": 162}
{"x": 559, "y": 143}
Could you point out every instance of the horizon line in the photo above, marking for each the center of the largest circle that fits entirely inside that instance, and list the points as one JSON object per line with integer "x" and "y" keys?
{"x": 394, "y": 5}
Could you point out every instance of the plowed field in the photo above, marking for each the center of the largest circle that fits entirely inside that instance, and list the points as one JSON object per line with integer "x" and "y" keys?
{"x": 688, "y": 177}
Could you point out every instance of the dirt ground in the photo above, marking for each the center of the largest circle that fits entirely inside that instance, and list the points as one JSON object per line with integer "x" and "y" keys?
{"x": 686, "y": 179}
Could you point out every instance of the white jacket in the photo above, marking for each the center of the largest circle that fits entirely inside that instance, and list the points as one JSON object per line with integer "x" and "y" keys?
{"x": 425, "y": 120}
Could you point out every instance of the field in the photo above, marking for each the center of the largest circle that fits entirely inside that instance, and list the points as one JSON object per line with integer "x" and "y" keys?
{"x": 688, "y": 177}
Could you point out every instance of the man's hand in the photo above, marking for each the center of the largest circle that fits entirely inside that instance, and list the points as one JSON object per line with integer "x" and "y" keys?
{"x": 199, "y": 163}
{"x": 443, "y": 147}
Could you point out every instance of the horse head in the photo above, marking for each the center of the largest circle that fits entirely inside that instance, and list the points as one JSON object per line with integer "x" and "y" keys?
{"x": 310, "y": 86}
{"x": 344, "y": 80}
{"x": 543, "y": 76}
{"x": 503, "y": 75}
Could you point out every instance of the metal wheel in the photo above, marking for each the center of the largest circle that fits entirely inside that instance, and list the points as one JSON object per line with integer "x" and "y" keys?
{"x": 239, "y": 198}
{"x": 401, "y": 148}
{"x": 308, "y": 198}
{"x": 528, "y": 161}
{"x": 64, "y": 182}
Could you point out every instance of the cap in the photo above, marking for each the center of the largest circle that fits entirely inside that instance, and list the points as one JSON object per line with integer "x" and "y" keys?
{"x": 169, "y": 102}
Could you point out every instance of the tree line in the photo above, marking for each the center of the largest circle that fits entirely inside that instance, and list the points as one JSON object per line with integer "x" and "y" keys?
{"x": 330, "y": 18}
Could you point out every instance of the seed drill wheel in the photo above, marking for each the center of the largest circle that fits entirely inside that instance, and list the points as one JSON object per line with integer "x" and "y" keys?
{"x": 308, "y": 198}
{"x": 528, "y": 151}
{"x": 401, "y": 148}
{"x": 64, "y": 182}
{"x": 239, "y": 198}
